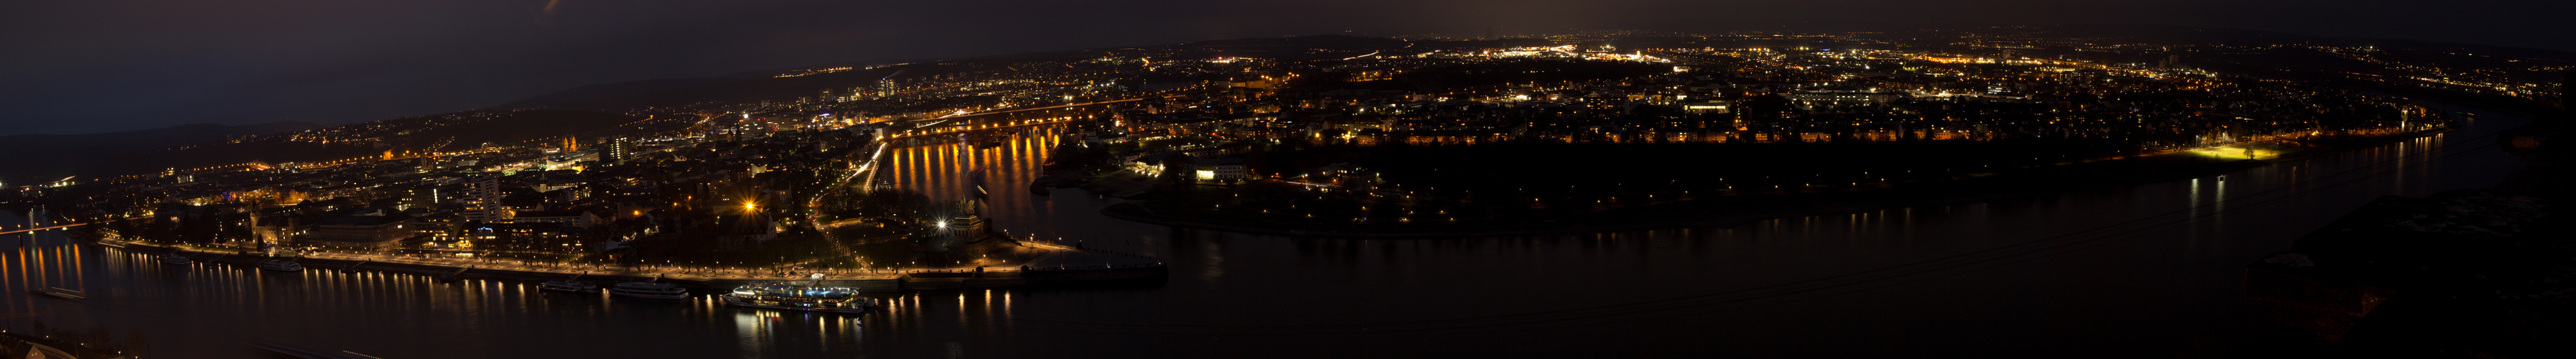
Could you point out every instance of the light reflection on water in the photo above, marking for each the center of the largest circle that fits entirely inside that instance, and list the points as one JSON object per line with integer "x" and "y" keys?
{"x": 2157, "y": 291}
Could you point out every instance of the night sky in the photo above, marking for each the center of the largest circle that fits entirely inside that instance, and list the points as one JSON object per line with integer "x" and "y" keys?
{"x": 112, "y": 65}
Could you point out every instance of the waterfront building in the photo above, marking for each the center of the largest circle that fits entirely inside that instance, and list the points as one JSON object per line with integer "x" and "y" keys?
{"x": 367, "y": 228}
{"x": 1227, "y": 170}
{"x": 438, "y": 226}
{"x": 536, "y": 236}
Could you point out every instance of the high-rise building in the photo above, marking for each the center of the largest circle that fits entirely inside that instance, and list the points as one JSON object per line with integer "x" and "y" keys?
{"x": 423, "y": 196}
{"x": 620, "y": 150}
{"x": 483, "y": 201}
{"x": 885, "y": 87}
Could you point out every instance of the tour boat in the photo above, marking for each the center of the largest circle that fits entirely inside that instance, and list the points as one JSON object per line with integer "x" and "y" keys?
{"x": 175, "y": 258}
{"x": 787, "y": 296}
{"x": 281, "y": 265}
{"x": 569, "y": 286}
{"x": 654, "y": 290}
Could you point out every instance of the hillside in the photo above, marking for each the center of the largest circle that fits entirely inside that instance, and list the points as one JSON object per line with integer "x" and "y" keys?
{"x": 34, "y": 158}
{"x": 756, "y": 87}
{"x": 199, "y": 146}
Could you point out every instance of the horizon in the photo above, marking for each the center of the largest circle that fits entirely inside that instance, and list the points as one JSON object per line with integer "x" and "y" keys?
{"x": 337, "y": 64}
{"x": 748, "y": 73}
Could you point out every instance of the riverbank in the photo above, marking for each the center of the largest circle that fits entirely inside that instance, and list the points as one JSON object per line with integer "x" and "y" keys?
{"x": 2478, "y": 270}
{"x": 1725, "y": 212}
{"x": 1063, "y": 266}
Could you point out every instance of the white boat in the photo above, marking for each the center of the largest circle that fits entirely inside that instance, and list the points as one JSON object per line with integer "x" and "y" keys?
{"x": 175, "y": 258}
{"x": 569, "y": 286}
{"x": 654, "y": 290}
{"x": 281, "y": 265}
{"x": 787, "y": 296}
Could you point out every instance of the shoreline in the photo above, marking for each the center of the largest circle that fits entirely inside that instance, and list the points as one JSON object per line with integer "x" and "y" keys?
{"x": 906, "y": 280}
{"x": 1702, "y": 217}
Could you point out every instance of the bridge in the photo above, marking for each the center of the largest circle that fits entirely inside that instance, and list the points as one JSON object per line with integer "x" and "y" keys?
{"x": 969, "y": 121}
{"x": 62, "y": 226}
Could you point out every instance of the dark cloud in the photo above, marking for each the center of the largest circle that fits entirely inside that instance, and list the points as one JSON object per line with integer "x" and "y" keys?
{"x": 90, "y": 66}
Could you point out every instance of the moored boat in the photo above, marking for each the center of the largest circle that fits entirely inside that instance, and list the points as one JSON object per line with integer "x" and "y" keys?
{"x": 789, "y": 296}
{"x": 59, "y": 293}
{"x": 281, "y": 265}
{"x": 656, "y": 290}
{"x": 568, "y": 286}
{"x": 175, "y": 258}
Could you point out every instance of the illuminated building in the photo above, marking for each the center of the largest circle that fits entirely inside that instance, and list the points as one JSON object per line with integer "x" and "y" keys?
{"x": 569, "y": 218}
{"x": 1605, "y": 103}
{"x": 1705, "y": 107}
{"x": 483, "y": 201}
{"x": 371, "y": 228}
{"x": 440, "y": 227}
{"x": 1222, "y": 170}
{"x": 620, "y": 150}
{"x": 420, "y": 197}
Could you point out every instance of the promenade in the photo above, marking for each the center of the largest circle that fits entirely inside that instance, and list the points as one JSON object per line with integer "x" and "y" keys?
{"x": 1050, "y": 263}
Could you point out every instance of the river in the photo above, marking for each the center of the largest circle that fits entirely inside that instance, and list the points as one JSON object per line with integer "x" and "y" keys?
{"x": 2146, "y": 270}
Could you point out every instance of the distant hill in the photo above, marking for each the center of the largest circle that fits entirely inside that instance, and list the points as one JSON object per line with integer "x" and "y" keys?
{"x": 463, "y": 130}
{"x": 762, "y": 86}
{"x": 34, "y": 158}
{"x": 739, "y": 88}
{"x": 44, "y": 158}
{"x": 1292, "y": 48}
{"x": 2198, "y": 35}
{"x": 441, "y": 132}
{"x": 621, "y": 94}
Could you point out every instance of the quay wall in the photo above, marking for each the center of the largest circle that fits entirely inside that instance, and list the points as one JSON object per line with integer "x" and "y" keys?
{"x": 886, "y": 282}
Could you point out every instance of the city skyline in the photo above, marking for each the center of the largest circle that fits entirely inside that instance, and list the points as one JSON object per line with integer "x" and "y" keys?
{"x": 1456, "y": 189}
{"x": 336, "y": 64}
